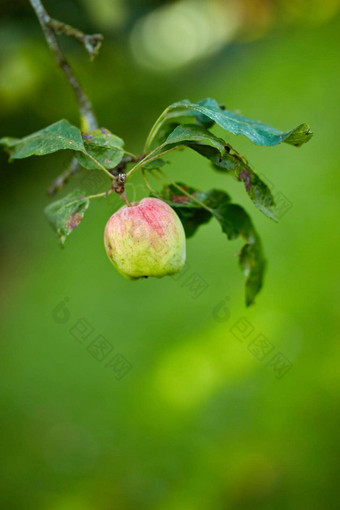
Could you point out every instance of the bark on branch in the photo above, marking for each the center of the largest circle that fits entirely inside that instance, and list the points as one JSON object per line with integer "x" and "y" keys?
{"x": 88, "y": 120}
{"x": 50, "y": 27}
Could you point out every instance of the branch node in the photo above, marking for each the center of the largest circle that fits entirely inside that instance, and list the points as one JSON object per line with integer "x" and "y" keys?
{"x": 50, "y": 28}
{"x": 91, "y": 42}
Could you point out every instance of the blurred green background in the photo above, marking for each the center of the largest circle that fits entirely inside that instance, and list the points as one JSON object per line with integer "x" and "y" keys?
{"x": 198, "y": 421}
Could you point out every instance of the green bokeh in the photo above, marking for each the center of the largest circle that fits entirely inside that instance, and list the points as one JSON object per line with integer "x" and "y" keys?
{"x": 198, "y": 422}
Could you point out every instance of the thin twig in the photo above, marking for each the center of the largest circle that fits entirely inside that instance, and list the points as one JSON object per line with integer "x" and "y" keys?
{"x": 147, "y": 184}
{"x": 99, "y": 165}
{"x": 182, "y": 190}
{"x": 164, "y": 117}
{"x": 88, "y": 120}
{"x": 91, "y": 42}
{"x": 59, "y": 183}
{"x": 154, "y": 130}
{"x": 151, "y": 157}
{"x": 100, "y": 195}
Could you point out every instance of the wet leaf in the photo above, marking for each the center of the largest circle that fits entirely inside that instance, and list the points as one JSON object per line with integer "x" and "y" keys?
{"x": 258, "y": 132}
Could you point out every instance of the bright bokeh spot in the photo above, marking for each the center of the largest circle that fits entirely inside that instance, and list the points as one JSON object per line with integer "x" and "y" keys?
{"x": 195, "y": 370}
{"x": 106, "y": 14}
{"x": 175, "y": 35}
{"x": 18, "y": 77}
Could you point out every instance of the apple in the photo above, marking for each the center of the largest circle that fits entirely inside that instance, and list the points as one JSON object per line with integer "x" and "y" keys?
{"x": 145, "y": 239}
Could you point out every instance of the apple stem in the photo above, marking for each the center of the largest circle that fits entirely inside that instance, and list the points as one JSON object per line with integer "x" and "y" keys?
{"x": 147, "y": 184}
{"x": 125, "y": 198}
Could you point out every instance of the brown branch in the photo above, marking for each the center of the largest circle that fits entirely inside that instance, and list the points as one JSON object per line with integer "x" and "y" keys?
{"x": 91, "y": 43}
{"x": 59, "y": 183}
{"x": 88, "y": 120}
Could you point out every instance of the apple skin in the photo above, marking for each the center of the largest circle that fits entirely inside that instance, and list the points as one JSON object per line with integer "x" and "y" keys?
{"x": 145, "y": 239}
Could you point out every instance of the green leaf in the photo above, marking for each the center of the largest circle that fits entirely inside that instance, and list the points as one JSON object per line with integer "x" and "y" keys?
{"x": 190, "y": 213}
{"x": 102, "y": 137}
{"x": 100, "y": 144}
{"x": 224, "y": 158}
{"x": 234, "y": 220}
{"x": 165, "y": 130}
{"x": 59, "y": 136}
{"x": 203, "y": 120}
{"x": 183, "y": 134}
{"x": 299, "y": 135}
{"x": 9, "y": 142}
{"x": 105, "y": 147}
{"x": 65, "y": 214}
{"x": 234, "y": 164}
{"x": 258, "y": 132}
{"x": 155, "y": 164}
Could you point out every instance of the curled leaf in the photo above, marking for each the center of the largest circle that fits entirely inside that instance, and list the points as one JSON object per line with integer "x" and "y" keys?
{"x": 65, "y": 214}
{"x": 207, "y": 112}
{"x": 234, "y": 221}
{"x": 225, "y": 159}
